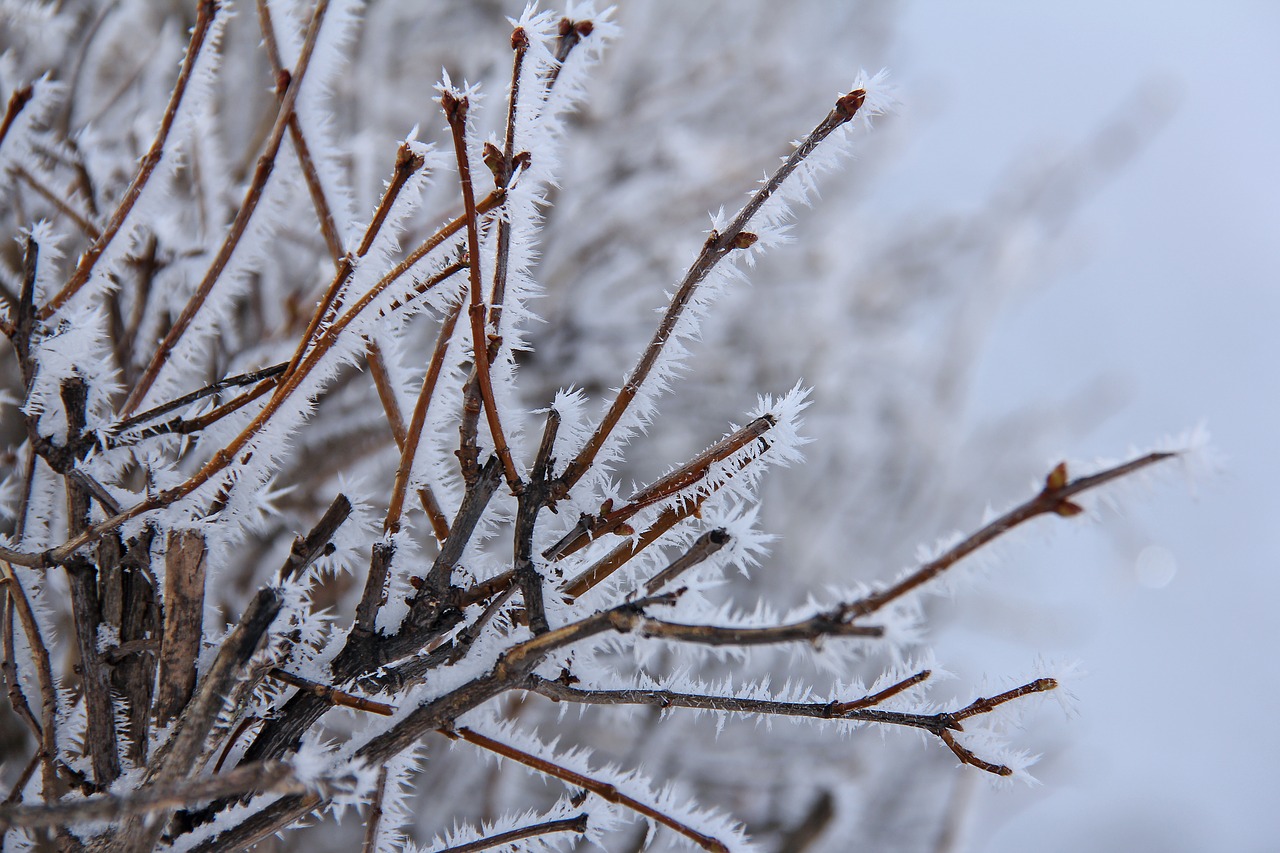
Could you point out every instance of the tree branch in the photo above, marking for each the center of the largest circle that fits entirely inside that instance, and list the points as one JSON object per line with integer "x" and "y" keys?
{"x": 206, "y": 13}
{"x": 604, "y": 790}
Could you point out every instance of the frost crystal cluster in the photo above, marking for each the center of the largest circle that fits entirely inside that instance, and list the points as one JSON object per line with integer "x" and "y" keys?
{"x": 297, "y": 527}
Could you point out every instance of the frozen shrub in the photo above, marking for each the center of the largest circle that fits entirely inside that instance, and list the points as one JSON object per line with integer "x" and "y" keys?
{"x": 214, "y": 337}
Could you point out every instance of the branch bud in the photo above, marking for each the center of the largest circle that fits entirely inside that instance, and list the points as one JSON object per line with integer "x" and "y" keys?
{"x": 848, "y": 105}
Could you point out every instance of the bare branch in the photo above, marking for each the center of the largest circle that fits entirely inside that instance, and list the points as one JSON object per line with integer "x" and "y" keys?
{"x": 332, "y": 695}
{"x": 576, "y": 824}
{"x": 1053, "y": 499}
{"x": 374, "y": 818}
{"x": 455, "y": 109}
{"x": 717, "y": 246}
{"x": 265, "y": 777}
{"x": 44, "y": 678}
{"x": 206, "y": 12}
{"x": 253, "y": 195}
{"x": 604, "y": 790}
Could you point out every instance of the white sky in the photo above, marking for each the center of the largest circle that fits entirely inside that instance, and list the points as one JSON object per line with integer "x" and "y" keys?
{"x": 1175, "y": 297}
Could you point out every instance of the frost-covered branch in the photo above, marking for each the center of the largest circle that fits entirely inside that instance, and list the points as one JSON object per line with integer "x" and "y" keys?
{"x": 225, "y": 615}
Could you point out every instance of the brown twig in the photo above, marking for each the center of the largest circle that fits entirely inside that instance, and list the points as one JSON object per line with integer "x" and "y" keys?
{"x": 941, "y": 725}
{"x": 536, "y": 495}
{"x": 413, "y": 435}
{"x": 374, "y": 818}
{"x": 265, "y": 777}
{"x": 702, "y": 548}
{"x": 9, "y": 665}
{"x": 407, "y": 163}
{"x": 206, "y": 13}
{"x": 44, "y": 678}
{"x": 332, "y": 695}
{"x": 324, "y": 212}
{"x": 576, "y": 824}
{"x": 60, "y": 204}
{"x": 718, "y": 245}
{"x": 212, "y": 388}
{"x": 604, "y": 790}
{"x": 1053, "y": 499}
{"x": 503, "y": 168}
{"x": 319, "y": 542}
{"x": 253, "y": 195}
{"x": 609, "y": 520}
{"x": 455, "y": 110}
{"x": 626, "y": 551}
{"x": 18, "y": 101}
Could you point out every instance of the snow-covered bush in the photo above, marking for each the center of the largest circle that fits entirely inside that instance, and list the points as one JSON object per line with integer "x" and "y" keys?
{"x": 221, "y": 336}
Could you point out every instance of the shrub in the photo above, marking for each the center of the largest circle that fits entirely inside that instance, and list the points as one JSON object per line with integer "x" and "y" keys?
{"x": 234, "y": 350}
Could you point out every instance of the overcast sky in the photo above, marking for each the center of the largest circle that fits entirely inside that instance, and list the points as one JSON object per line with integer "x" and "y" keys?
{"x": 1174, "y": 299}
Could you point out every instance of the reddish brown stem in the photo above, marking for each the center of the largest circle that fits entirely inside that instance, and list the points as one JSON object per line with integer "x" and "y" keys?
{"x": 206, "y": 12}
{"x": 328, "y": 228}
{"x": 604, "y": 790}
{"x": 1053, "y": 499}
{"x": 332, "y": 695}
{"x": 413, "y": 436}
{"x": 609, "y": 520}
{"x": 455, "y": 110}
{"x": 570, "y": 824}
{"x": 253, "y": 196}
{"x": 717, "y": 246}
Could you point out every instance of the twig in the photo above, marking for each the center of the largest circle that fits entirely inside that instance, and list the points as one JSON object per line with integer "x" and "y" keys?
{"x": 253, "y": 195}
{"x": 44, "y": 678}
{"x": 9, "y": 665}
{"x": 319, "y": 542}
{"x": 455, "y": 109}
{"x": 941, "y": 725}
{"x": 15, "y": 792}
{"x": 212, "y": 388}
{"x": 630, "y": 547}
{"x": 609, "y": 519}
{"x": 503, "y": 167}
{"x": 576, "y": 825}
{"x": 332, "y": 695}
{"x": 86, "y": 606}
{"x": 264, "y": 777}
{"x": 604, "y": 790}
{"x": 413, "y": 435}
{"x": 718, "y": 245}
{"x": 535, "y": 496}
{"x": 18, "y": 101}
{"x": 374, "y": 594}
{"x": 323, "y": 210}
{"x": 206, "y": 13}
{"x": 702, "y": 548}
{"x": 1053, "y": 499}
{"x": 60, "y": 204}
{"x": 407, "y": 163}
{"x": 374, "y": 818}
